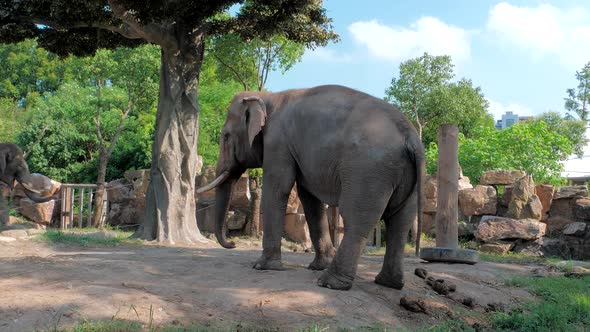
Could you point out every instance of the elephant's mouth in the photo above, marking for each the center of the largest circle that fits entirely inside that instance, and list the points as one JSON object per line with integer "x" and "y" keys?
{"x": 219, "y": 180}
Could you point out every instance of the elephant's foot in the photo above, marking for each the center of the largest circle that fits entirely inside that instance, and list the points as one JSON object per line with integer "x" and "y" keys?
{"x": 320, "y": 263}
{"x": 264, "y": 263}
{"x": 332, "y": 281}
{"x": 388, "y": 281}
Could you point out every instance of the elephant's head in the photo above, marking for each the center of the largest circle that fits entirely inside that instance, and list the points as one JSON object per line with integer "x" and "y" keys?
{"x": 240, "y": 148}
{"x": 14, "y": 167}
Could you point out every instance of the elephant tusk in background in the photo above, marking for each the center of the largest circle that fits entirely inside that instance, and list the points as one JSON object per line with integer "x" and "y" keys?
{"x": 215, "y": 183}
{"x": 30, "y": 188}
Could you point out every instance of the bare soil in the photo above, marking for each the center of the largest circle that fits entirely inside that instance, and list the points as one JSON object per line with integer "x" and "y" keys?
{"x": 44, "y": 286}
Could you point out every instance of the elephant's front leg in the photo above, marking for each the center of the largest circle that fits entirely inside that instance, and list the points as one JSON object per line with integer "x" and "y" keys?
{"x": 277, "y": 184}
{"x": 3, "y": 210}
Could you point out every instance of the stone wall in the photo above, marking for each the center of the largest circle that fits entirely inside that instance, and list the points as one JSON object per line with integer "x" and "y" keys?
{"x": 509, "y": 212}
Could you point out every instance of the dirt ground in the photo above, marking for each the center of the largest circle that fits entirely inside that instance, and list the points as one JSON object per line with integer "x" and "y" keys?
{"x": 44, "y": 286}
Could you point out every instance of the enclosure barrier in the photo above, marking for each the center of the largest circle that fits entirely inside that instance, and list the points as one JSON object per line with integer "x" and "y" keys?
{"x": 72, "y": 198}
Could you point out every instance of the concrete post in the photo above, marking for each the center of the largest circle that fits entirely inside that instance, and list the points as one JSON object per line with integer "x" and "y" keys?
{"x": 447, "y": 211}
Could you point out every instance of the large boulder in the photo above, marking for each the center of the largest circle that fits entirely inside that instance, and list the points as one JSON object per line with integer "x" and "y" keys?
{"x": 576, "y": 246}
{"x": 236, "y": 220}
{"x": 478, "y": 201}
{"x": 128, "y": 211}
{"x": 206, "y": 217}
{"x": 207, "y": 176}
{"x": 556, "y": 225}
{"x": 500, "y": 177}
{"x": 545, "y": 193}
{"x": 544, "y": 247}
{"x": 240, "y": 198}
{"x": 428, "y": 225}
{"x": 575, "y": 229}
{"x": 429, "y": 205}
{"x": 296, "y": 229}
{"x": 42, "y": 183}
{"x": 497, "y": 247}
{"x": 524, "y": 203}
{"x": 430, "y": 187}
{"x": 293, "y": 203}
{"x": 570, "y": 192}
{"x": 119, "y": 190}
{"x": 582, "y": 208}
{"x": 498, "y": 228}
{"x": 139, "y": 180}
{"x": 41, "y": 213}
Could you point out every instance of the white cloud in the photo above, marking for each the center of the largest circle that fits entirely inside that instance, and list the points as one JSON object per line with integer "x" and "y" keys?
{"x": 428, "y": 34}
{"x": 497, "y": 109}
{"x": 544, "y": 30}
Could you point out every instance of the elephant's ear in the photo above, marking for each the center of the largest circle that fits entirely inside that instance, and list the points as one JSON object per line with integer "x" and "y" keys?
{"x": 5, "y": 157}
{"x": 255, "y": 116}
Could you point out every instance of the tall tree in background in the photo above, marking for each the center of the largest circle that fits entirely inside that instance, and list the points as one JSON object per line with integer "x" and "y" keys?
{"x": 425, "y": 93}
{"x": 577, "y": 101}
{"x": 417, "y": 79}
{"x": 250, "y": 62}
{"x": 180, "y": 29}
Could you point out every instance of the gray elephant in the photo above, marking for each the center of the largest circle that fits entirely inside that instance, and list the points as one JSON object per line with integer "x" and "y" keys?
{"x": 341, "y": 147}
{"x": 14, "y": 167}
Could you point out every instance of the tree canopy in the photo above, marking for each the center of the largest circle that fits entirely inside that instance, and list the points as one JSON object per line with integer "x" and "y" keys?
{"x": 577, "y": 101}
{"x": 425, "y": 93}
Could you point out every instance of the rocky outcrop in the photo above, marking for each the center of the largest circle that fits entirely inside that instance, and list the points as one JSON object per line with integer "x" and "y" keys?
{"x": 500, "y": 177}
{"x": 545, "y": 193}
{"x": 544, "y": 247}
{"x": 296, "y": 229}
{"x": 575, "y": 229}
{"x": 582, "y": 208}
{"x": 41, "y": 213}
{"x": 498, "y": 228}
{"x": 571, "y": 192}
{"x": 524, "y": 203}
{"x": 127, "y": 198}
{"x": 478, "y": 201}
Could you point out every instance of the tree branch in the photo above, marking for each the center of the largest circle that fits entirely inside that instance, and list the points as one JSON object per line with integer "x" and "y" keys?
{"x": 26, "y": 154}
{"x": 115, "y": 137}
{"x": 233, "y": 70}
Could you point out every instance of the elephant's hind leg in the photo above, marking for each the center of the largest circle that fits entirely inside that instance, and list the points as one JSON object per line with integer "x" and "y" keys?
{"x": 397, "y": 226}
{"x": 3, "y": 211}
{"x": 361, "y": 207}
{"x": 317, "y": 221}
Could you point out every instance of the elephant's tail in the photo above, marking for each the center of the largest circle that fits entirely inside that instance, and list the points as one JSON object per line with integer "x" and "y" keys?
{"x": 416, "y": 153}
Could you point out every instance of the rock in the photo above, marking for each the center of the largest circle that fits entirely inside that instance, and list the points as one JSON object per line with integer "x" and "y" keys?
{"x": 206, "y": 217}
{"x": 575, "y": 229}
{"x": 34, "y": 231}
{"x": 236, "y": 220}
{"x": 478, "y": 201}
{"x": 127, "y": 211}
{"x": 576, "y": 247}
{"x": 240, "y": 198}
{"x": 101, "y": 235}
{"x": 429, "y": 205}
{"x": 293, "y": 203}
{"x": 412, "y": 303}
{"x": 500, "y": 177}
{"x": 545, "y": 194}
{"x": 500, "y": 228}
{"x": 505, "y": 201}
{"x": 296, "y": 229}
{"x": 42, "y": 213}
{"x": 7, "y": 239}
{"x": 207, "y": 176}
{"x": 422, "y": 273}
{"x": 15, "y": 233}
{"x": 556, "y": 225}
{"x": 543, "y": 247}
{"x": 428, "y": 226}
{"x": 140, "y": 180}
{"x": 119, "y": 190}
{"x": 199, "y": 166}
{"x": 582, "y": 208}
{"x": 430, "y": 187}
{"x": 499, "y": 247}
{"x": 570, "y": 192}
{"x": 464, "y": 183}
{"x": 524, "y": 204}
{"x": 42, "y": 183}
{"x": 563, "y": 208}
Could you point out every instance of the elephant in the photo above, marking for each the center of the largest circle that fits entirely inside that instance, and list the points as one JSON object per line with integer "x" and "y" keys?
{"x": 14, "y": 167}
{"x": 340, "y": 147}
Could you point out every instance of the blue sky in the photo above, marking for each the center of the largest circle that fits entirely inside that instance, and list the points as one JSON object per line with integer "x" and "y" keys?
{"x": 523, "y": 54}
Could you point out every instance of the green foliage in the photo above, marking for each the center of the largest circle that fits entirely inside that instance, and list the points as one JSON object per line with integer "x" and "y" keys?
{"x": 563, "y": 305}
{"x": 573, "y": 129}
{"x": 532, "y": 147}
{"x": 250, "y": 62}
{"x": 425, "y": 93}
{"x": 88, "y": 236}
{"x": 10, "y": 119}
{"x": 577, "y": 101}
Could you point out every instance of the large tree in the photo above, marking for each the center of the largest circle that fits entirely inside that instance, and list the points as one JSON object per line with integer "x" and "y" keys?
{"x": 577, "y": 101}
{"x": 180, "y": 28}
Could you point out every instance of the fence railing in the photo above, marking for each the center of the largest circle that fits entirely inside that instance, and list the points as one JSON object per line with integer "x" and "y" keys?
{"x": 77, "y": 200}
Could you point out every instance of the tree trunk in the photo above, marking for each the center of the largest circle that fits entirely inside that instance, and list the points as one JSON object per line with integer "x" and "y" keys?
{"x": 447, "y": 209}
{"x": 97, "y": 220}
{"x": 253, "y": 227}
{"x": 170, "y": 211}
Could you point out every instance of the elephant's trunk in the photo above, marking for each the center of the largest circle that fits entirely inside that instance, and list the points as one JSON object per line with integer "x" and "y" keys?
{"x": 222, "y": 198}
{"x": 33, "y": 194}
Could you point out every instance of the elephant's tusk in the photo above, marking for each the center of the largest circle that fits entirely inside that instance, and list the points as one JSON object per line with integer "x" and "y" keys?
{"x": 215, "y": 183}
{"x": 30, "y": 188}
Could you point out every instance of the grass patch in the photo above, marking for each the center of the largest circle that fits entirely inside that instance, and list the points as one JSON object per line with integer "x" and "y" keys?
{"x": 513, "y": 258}
{"x": 563, "y": 305}
{"x": 88, "y": 236}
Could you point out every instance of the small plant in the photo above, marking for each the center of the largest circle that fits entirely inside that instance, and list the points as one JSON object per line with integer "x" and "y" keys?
{"x": 88, "y": 236}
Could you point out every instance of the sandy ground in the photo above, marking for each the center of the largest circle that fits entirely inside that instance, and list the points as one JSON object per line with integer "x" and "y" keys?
{"x": 44, "y": 286}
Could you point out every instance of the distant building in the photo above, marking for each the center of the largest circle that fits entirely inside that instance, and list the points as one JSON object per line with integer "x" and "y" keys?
{"x": 509, "y": 118}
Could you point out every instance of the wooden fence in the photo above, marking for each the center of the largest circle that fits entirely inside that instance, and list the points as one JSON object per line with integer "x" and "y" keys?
{"x": 77, "y": 200}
